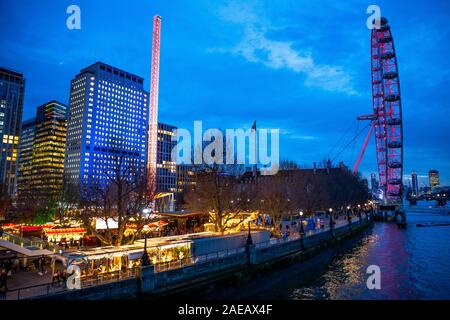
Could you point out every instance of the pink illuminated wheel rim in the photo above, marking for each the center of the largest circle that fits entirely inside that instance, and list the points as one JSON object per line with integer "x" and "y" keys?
{"x": 387, "y": 108}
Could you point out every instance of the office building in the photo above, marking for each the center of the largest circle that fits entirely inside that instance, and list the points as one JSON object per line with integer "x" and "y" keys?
{"x": 433, "y": 176}
{"x": 107, "y": 125}
{"x": 414, "y": 184}
{"x": 12, "y": 91}
{"x": 166, "y": 177}
{"x": 25, "y": 157}
{"x": 41, "y": 154}
{"x": 48, "y": 150}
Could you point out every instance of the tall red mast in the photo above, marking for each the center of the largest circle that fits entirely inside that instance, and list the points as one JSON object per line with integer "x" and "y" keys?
{"x": 153, "y": 119}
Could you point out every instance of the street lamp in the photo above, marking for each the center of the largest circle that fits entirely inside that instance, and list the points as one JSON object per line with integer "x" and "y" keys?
{"x": 302, "y": 232}
{"x": 145, "y": 257}
{"x": 331, "y": 219}
{"x": 349, "y": 217}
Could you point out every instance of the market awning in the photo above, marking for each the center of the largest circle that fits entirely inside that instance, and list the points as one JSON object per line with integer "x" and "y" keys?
{"x": 182, "y": 214}
{"x": 65, "y": 231}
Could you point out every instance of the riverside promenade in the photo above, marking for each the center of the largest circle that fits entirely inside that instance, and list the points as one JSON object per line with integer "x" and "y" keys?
{"x": 171, "y": 278}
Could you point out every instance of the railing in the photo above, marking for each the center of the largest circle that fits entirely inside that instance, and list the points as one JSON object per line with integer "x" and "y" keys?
{"x": 191, "y": 261}
{"x": 23, "y": 242}
{"x": 31, "y": 244}
{"x": 52, "y": 288}
{"x": 338, "y": 225}
{"x": 218, "y": 255}
{"x": 171, "y": 265}
{"x": 32, "y": 291}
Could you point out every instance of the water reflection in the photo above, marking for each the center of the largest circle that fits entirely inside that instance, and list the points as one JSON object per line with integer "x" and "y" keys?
{"x": 414, "y": 263}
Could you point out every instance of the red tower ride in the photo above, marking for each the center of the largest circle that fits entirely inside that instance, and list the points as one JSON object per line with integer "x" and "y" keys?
{"x": 153, "y": 119}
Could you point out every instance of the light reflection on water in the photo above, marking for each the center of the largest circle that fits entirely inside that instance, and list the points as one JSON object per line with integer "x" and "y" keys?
{"x": 414, "y": 263}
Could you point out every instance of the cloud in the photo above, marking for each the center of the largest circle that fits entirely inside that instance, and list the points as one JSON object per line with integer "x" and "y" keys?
{"x": 293, "y": 135}
{"x": 256, "y": 47}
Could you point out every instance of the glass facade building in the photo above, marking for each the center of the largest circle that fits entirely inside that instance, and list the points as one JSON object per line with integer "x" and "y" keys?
{"x": 49, "y": 149}
{"x": 25, "y": 156}
{"x": 41, "y": 153}
{"x": 166, "y": 176}
{"x": 12, "y": 91}
{"x": 108, "y": 120}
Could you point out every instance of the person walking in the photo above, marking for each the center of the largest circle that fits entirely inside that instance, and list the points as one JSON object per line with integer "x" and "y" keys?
{"x": 63, "y": 278}
{"x": 3, "y": 280}
{"x": 56, "y": 278}
{"x": 41, "y": 266}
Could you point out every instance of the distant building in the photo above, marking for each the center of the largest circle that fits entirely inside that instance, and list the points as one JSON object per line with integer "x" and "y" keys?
{"x": 49, "y": 149}
{"x": 185, "y": 177}
{"x": 166, "y": 175}
{"x": 414, "y": 184}
{"x": 25, "y": 156}
{"x": 365, "y": 182}
{"x": 342, "y": 165}
{"x": 374, "y": 183}
{"x": 108, "y": 123}
{"x": 41, "y": 153}
{"x": 433, "y": 176}
{"x": 12, "y": 91}
{"x": 185, "y": 180}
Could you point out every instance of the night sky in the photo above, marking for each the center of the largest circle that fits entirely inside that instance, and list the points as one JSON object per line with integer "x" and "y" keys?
{"x": 300, "y": 66}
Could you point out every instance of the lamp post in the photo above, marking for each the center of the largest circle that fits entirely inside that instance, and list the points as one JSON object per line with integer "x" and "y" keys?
{"x": 349, "y": 218}
{"x": 302, "y": 232}
{"x": 145, "y": 257}
{"x": 331, "y": 221}
{"x": 359, "y": 213}
{"x": 249, "y": 237}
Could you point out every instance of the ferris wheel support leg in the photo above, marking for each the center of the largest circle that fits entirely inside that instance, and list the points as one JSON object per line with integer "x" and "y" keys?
{"x": 363, "y": 149}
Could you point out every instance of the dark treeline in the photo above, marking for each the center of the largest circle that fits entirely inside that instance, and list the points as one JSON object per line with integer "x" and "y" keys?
{"x": 224, "y": 194}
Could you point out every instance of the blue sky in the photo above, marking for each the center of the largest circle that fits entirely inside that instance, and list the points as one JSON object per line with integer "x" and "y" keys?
{"x": 300, "y": 66}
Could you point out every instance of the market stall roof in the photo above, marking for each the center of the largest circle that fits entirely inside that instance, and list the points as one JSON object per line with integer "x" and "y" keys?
{"x": 65, "y": 230}
{"x": 181, "y": 214}
{"x": 138, "y": 246}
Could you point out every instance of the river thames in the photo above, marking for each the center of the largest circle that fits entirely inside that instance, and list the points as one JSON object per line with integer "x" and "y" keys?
{"x": 414, "y": 262}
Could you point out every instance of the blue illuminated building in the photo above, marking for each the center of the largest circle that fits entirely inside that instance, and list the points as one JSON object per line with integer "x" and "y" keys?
{"x": 12, "y": 91}
{"x": 107, "y": 126}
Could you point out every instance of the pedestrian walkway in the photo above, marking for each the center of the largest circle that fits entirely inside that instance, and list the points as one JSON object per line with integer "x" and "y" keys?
{"x": 28, "y": 279}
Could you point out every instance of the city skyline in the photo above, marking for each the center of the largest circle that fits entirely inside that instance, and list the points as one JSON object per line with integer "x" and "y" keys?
{"x": 258, "y": 46}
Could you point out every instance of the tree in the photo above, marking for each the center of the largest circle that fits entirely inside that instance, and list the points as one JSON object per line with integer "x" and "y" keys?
{"x": 119, "y": 197}
{"x": 217, "y": 191}
{"x": 276, "y": 196}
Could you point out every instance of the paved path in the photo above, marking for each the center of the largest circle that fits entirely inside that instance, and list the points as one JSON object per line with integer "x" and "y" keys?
{"x": 28, "y": 279}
